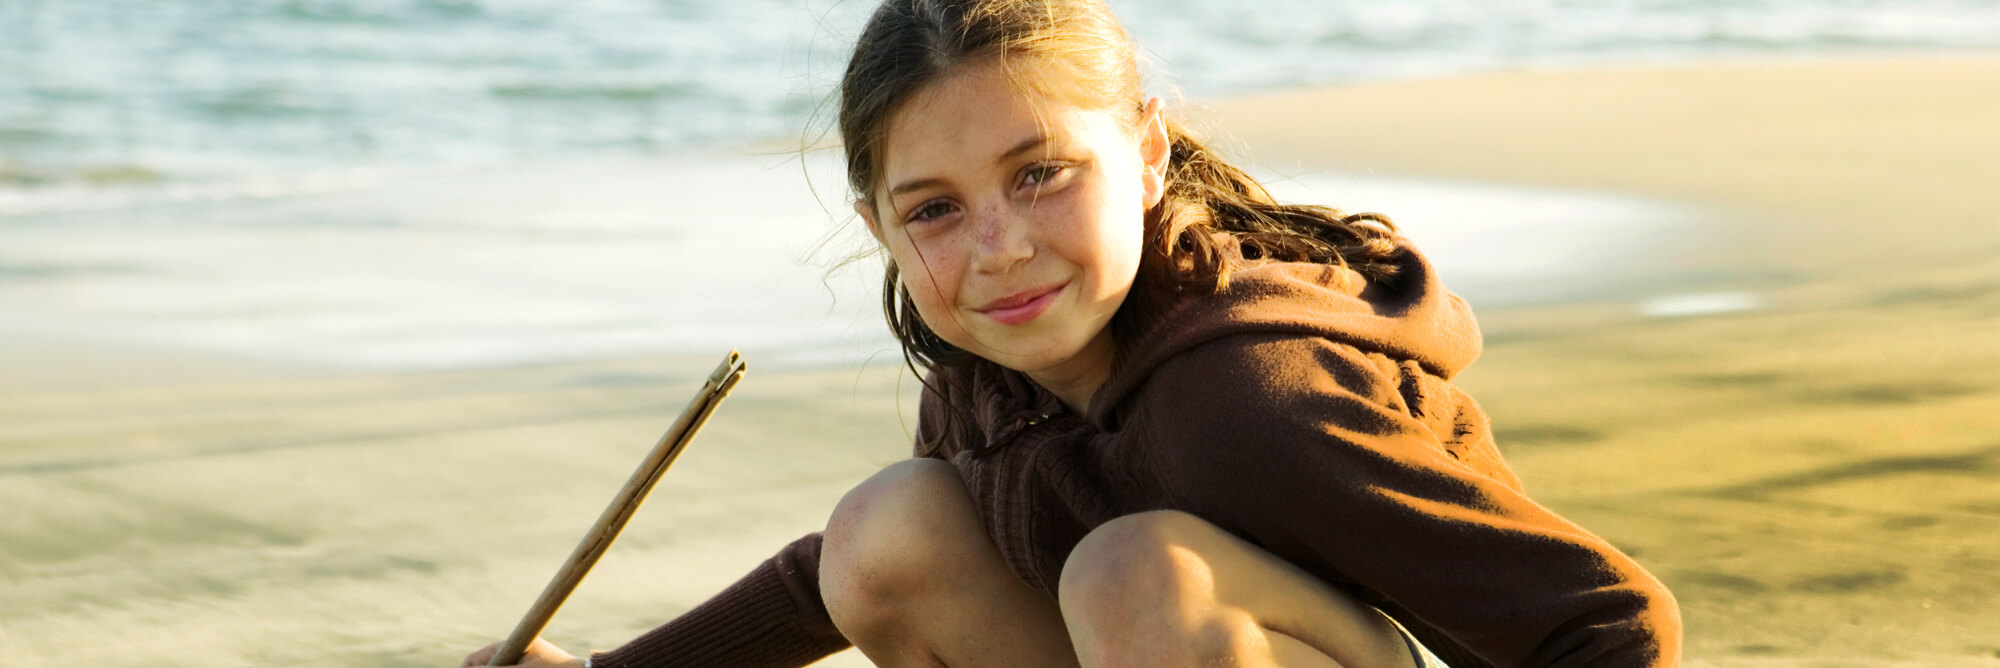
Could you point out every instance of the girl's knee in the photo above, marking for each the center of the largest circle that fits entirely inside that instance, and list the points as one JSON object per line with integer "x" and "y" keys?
{"x": 1169, "y": 588}
{"x": 1144, "y": 580}
{"x": 1138, "y": 561}
{"x": 885, "y": 540}
{"x": 899, "y": 494}
{"x": 1135, "y": 554}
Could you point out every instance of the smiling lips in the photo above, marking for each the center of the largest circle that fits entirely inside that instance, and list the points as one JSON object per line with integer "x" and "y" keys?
{"x": 1022, "y": 306}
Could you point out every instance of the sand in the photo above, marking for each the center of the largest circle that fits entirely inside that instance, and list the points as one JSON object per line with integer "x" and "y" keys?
{"x": 1817, "y": 478}
{"x": 306, "y": 517}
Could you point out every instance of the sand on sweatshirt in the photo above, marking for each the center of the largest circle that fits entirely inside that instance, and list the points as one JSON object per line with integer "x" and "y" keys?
{"x": 1798, "y": 428}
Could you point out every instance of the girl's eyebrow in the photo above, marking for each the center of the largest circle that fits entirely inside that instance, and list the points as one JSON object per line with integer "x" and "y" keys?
{"x": 1023, "y": 147}
{"x": 1026, "y": 145}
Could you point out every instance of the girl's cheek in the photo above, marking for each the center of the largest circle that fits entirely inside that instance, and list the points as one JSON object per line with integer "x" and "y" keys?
{"x": 930, "y": 271}
{"x": 1078, "y": 224}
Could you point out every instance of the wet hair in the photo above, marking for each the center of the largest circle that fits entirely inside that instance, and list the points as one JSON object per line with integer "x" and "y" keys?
{"x": 1075, "y": 52}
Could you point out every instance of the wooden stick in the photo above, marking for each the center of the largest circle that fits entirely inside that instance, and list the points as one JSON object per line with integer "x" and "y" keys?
{"x": 621, "y": 509}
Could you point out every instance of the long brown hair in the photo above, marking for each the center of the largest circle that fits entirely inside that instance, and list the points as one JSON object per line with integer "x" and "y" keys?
{"x": 1074, "y": 51}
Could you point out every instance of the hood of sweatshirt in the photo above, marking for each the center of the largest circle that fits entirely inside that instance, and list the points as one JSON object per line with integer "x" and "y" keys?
{"x": 1411, "y": 318}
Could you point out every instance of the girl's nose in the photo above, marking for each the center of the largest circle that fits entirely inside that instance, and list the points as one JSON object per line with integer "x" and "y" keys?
{"x": 1002, "y": 240}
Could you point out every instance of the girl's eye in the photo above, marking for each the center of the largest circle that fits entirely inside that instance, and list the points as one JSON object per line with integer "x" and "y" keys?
{"x": 930, "y": 211}
{"x": 1040, "y": 174}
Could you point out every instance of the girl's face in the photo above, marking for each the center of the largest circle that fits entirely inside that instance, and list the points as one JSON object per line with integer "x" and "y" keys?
{"x": 1017, "y": 221}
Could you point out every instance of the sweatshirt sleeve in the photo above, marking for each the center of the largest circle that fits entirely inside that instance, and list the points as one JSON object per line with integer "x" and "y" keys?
{"x": 1297, "y": 444}
{"x": 772, "y": 618}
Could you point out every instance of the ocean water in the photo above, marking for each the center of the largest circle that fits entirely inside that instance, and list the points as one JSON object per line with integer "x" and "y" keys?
{"x": 436, "y": 183}
{"x": 124, "y": 91}
{"x": 578, "y": 258}
{"x": 525, "y": 263}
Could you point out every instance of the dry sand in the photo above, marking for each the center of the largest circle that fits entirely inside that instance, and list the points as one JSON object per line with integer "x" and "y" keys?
{"x": 1818, "y": 479}
{"x": 300, "y": 517}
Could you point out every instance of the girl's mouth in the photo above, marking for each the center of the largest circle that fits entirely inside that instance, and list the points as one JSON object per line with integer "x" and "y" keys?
{"x": 1022, "y": 306}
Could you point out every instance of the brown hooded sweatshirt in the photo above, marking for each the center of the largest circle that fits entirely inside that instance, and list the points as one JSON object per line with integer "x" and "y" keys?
{"x": 1302, "y": 409}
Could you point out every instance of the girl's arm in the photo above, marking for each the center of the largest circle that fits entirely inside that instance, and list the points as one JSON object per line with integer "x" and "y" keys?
{"x": 1300, "y": 445}
{"x": 772, "y": 618}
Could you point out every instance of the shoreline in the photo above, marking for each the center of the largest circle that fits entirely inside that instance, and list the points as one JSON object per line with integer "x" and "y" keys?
{"x": 1788, "y": 140}
{"x": 1814, "y": 478}
{"x": 603, "y": 259}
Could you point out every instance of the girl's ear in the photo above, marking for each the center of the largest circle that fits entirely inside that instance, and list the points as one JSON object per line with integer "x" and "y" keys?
{"x": 867, "y": 214}
{"x": 1154, "y": 148}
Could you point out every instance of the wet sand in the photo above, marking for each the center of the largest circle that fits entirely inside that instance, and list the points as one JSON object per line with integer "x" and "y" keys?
{"x": 1816, "y": 476}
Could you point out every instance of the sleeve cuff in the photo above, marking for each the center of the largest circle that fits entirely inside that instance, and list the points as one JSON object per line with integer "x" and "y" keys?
{"x": 756, "y": 623}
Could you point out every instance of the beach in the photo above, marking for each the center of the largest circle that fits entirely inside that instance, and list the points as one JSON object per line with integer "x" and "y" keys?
{"x": 1816, "y": 477}
{"x": 1786, "y": 407}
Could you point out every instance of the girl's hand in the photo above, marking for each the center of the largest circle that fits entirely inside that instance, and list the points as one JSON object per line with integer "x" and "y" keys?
{"x": 541, "y": 654}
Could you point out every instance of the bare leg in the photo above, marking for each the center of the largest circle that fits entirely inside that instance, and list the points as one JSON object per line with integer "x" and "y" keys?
{"x": 1166, "y": 588}
{"x": 911, "y": 578}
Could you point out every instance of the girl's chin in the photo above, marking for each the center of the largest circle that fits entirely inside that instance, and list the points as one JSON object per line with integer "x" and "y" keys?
{"x": 1034, "y": 356}
{"x": 1029, "y": 363}
{"x": 1027, "y": 357}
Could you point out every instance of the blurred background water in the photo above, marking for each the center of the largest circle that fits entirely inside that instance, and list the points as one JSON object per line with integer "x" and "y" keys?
{"x": 444, "y": 182}
{"x": 110, "y": 90}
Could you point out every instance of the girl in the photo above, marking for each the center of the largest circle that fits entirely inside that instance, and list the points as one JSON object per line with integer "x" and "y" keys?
{"x": 1166, "y": 420}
